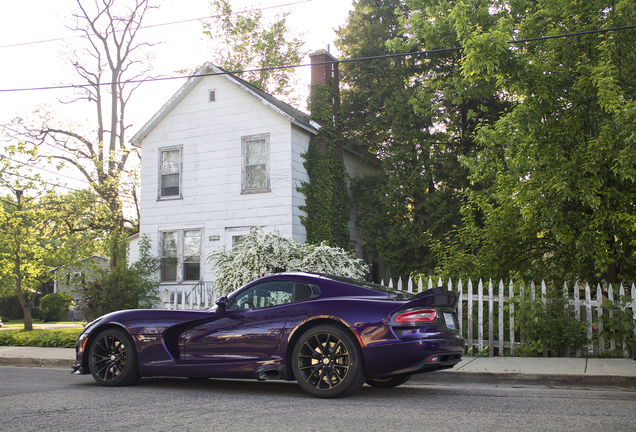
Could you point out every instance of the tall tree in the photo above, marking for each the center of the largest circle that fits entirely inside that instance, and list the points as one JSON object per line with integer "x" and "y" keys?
{"x": 243, "y": 41}
{"x": 561, "y": 161}
{"x": 111, "y": 57}
{"x": 26, "y": 226}
{"x": 415, "y": 113}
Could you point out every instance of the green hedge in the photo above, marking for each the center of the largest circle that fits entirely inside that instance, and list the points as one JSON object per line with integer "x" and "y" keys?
{"x": 64, "y": 338}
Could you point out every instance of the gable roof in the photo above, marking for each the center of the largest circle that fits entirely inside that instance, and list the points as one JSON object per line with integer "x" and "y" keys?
{"x": 295, "y": 116}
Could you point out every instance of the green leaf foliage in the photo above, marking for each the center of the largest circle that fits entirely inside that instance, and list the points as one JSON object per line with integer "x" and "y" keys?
{"x": 122, "y": 287}
{"x": 416, "y": 114}
{"x": 548, "y": 328}
{"x": 54, "y": 305}
{"x": 327, "y": 203}
{"x": 558, "y": 166}
{"x": 65, "y": 338}
{"x": 244, "y": 42}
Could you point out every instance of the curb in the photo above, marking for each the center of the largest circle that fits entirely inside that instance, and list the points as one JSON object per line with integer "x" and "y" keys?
{"x": 457, "y": 378}
{"x": 36, "y": 362}
{"x": 523, "y": 379}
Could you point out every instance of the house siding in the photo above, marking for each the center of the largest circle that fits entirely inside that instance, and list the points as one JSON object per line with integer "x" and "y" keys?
{"x": 209, "y": 134}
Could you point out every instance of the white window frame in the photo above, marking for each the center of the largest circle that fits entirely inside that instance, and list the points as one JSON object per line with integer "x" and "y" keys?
{"x": 234, "y": 233}
{"x": 245, "y": 140}
{"x": 180, "y": 270}
{"x": 163, "y": 150}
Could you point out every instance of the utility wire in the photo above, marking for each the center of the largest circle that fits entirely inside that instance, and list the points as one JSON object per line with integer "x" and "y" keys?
{"x": 160, "y": 25}
{"x": 238, "y": 72}
{"x": 47, "y": 171}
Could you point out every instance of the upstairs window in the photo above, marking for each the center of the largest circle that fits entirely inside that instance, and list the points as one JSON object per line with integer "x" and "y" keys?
{"x": 255, "y": 151}
{"x": 170, "y": 173}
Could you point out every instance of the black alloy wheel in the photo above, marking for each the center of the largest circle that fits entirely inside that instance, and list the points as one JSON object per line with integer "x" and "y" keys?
{"x": 327, "y": 362}
{"x": 389, "y": 382}
{"x": 113, "y": 359}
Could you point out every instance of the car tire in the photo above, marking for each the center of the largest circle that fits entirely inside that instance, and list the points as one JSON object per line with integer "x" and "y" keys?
{"x": 327, "y": 362}
{"x": 112, "y": 359}
{"x": 389, "y": 382}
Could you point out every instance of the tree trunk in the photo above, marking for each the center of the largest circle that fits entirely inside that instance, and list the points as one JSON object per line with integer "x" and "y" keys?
{"x": 26, "y": 305}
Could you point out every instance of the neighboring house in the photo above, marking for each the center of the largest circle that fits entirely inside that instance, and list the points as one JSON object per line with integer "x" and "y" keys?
{"x": 219, "y": 158}
{"x": 71, "y": 278}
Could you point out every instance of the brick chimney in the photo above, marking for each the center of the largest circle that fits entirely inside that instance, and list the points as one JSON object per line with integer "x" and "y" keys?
{"x": 324, "y": 70}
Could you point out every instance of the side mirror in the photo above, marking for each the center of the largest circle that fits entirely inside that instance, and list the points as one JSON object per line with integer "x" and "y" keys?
{"x": 221, "y": 302}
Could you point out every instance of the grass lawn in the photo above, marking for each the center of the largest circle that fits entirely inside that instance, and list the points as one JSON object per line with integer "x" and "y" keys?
{"x": 19, "y": 324}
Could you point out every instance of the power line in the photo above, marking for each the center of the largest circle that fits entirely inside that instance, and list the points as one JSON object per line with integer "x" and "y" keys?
{"x": 47, "y": 171}
{"x": 39, "y": 181}
{"x": 238, "y": 72}
{"x": 160, "y": 25}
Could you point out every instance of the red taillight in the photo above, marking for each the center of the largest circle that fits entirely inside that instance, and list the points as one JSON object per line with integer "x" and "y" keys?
{"x": 417, "y": 316}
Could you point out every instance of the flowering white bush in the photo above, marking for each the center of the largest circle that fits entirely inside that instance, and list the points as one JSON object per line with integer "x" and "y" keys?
{"x": 260, "y": 253}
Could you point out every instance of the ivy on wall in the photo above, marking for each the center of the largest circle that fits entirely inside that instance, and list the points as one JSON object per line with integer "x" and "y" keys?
{"x": 327, "y": 203}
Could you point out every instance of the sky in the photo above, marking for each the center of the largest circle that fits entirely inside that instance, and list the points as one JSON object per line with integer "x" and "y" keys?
{"x": 27, "y": 64}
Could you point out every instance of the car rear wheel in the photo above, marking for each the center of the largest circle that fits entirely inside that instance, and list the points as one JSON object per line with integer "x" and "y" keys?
{"x": 327, "y": 362}
{"x": 388, "y": 382}
{"x": 113, "y": 359}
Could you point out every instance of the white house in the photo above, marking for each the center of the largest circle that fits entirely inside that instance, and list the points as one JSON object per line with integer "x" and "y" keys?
{"x": 219, "y": 158}
{"x": 71, "y": 278}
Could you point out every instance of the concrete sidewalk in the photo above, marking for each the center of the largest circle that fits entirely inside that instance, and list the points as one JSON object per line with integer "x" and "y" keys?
{"x": 555, "y": 372}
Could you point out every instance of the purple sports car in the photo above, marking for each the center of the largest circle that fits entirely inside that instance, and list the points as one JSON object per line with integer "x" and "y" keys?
{"x": 330, "y": 334}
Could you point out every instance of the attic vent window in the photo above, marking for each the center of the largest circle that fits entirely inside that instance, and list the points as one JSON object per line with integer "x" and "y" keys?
{"x": 212, "y": 96}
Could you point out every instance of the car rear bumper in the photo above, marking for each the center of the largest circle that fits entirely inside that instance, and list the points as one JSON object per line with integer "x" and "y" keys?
{"x": 400, "y": 357}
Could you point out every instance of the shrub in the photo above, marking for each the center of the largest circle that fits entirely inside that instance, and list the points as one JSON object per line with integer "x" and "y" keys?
{"x": 54, "y": 305}
{"x": 124, "y": 287}
{"x": 260, "y": 253}
{"x": 548, "y": 327}
{"x": 40, "y": 338}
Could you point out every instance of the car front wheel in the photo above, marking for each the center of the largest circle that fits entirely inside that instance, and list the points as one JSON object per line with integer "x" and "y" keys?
{"x": 327, "y": 362}
{"x": 113, "y": 359}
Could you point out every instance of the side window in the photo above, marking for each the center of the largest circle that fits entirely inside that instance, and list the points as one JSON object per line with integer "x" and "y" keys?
{"x": 264, "y": 295}
{"x": 255, "y": 170}
{"x": 302, "y": 292}
{"x": 170, "y": 173}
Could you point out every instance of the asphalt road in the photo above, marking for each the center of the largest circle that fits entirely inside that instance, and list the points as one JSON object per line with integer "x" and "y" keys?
{"x": 34, "y": 399}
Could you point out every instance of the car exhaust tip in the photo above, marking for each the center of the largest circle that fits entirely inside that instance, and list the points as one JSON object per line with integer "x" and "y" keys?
{"x": 269, "y": 374}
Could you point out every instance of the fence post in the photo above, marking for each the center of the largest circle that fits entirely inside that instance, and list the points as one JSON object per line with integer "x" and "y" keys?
{"x": 460, "y": 310}
{"x": 610, "y": 297}
{"x": 491, "y": 320}
{"x": 599, "y": 300}
{"x": 511, "y": 311}
{"x": 522, "y": 337}
{"x": 480, "y": 315}
{"x": 621, "y": 293}
{"x": 588, "y": 316}
{"x": 469, "y": 312}
{"x": 577, "y": 310}
{"x": 501, "y": 318}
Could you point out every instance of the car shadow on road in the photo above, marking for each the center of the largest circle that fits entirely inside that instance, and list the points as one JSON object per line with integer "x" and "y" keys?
{"x": 274, "y": 388}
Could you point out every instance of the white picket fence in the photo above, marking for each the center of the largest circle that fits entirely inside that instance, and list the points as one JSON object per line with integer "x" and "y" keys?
{"x": 491, "y": 301}
{"x": 481, "y": 303}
